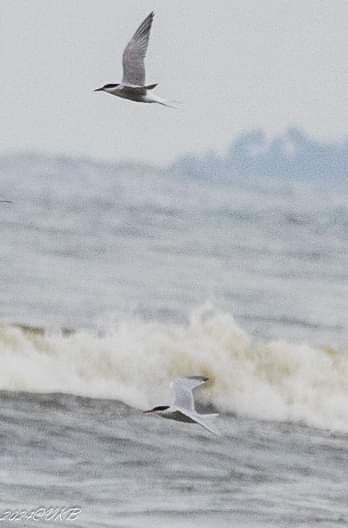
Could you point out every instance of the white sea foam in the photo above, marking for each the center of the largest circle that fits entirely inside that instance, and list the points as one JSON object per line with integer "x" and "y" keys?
{"x": 135, "y": 361}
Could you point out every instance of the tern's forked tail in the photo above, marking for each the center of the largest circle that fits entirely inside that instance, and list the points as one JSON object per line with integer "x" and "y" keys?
{"x": 159, "y": 100}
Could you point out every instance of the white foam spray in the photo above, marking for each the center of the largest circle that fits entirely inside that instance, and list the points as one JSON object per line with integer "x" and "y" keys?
{"x": 135, "y": 360}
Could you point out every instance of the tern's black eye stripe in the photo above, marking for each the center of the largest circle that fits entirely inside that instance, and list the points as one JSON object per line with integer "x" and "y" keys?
{"x": 110, "y": 85}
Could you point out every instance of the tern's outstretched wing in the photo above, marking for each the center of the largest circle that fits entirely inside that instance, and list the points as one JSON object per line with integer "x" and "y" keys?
{"x": 183, "y": 388}
{"x": 200, "y": 419}
{"x": 134, "y": 54}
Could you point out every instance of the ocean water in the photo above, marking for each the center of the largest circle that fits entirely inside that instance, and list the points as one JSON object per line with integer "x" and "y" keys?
{"x": 114, "y": 280}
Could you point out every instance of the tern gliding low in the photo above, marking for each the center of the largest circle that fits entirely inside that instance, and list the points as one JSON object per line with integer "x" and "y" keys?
{"x": 133, "y": 85}
{"x": 183, "y": 407}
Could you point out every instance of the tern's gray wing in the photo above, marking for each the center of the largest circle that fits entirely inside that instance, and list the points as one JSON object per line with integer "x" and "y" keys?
{"x": 134, "y": 54}
{"x": 183, "y": 388}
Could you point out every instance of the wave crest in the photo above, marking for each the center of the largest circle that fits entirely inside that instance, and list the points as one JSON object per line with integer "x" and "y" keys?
{"x": 135, "y": 360}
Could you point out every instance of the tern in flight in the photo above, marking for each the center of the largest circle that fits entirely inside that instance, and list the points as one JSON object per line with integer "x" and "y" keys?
{"x": 183, "y": 407}
{"x": 133, "y": 85}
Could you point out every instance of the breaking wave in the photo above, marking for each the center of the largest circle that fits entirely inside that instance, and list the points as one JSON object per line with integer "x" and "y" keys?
{"x": 135, "y": 360}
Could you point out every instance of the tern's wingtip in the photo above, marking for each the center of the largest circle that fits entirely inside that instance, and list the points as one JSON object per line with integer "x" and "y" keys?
{"x": 199, "y": 378}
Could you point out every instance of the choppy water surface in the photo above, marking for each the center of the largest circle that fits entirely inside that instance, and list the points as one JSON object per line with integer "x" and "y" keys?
{"x": 114, "y": 281}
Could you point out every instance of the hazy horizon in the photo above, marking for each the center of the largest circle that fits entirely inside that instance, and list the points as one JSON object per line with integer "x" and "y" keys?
{"x": 291, "y": 155}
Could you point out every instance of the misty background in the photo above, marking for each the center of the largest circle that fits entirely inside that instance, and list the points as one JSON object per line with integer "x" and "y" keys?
{"x": 238, "y": 196}
{"x": 235, "y": 66}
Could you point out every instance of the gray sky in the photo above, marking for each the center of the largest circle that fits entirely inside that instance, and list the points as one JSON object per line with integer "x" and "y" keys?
{"x": 235, "y": 65}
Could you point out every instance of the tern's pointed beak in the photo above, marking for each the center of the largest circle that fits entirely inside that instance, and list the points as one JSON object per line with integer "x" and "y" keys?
{"x": 148, "y": 412}
{"x": 99, "y": 90}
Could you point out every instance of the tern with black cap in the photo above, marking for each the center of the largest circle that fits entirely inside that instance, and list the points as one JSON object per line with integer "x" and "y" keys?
{"x": 182, "y": 409}
{"x": 133, "y": 85}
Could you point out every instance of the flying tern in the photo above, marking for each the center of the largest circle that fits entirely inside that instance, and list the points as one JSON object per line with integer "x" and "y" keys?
{"x": 133, "y": 85}
{"x": 182, "y": 409}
